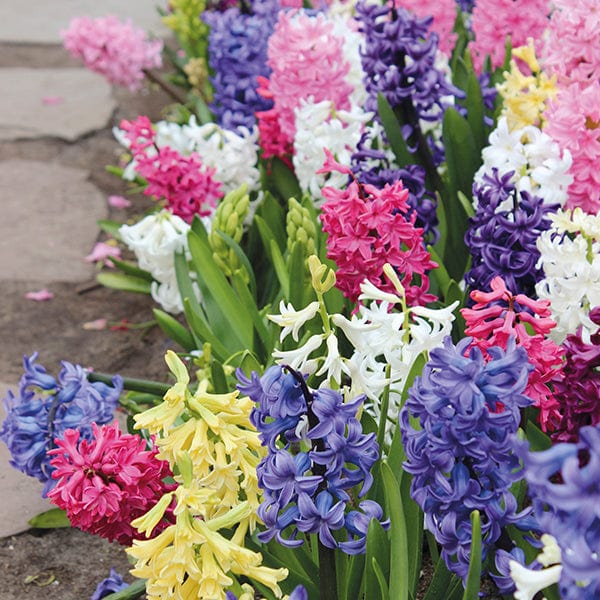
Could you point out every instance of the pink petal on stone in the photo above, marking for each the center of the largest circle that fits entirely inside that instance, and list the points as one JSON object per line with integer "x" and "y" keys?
{"x": 101, "y": 252}
{"x": 39, "y": 296}
{"x": 118, "y": 202}
{"x": 52, "y": 100}
{"x": 96, "y": 325}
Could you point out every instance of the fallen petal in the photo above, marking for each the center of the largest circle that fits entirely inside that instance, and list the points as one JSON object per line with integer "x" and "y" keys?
{"x": 96, "y": 325}
{"x": 118, "y": 202}
{"x": 39, "y": 296}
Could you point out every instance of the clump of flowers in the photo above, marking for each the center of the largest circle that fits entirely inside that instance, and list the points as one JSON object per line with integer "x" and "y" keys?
{"x": 369, "y": 227}
{"x": 499, "y": 316}
{"x": 495, "y": 20}
{"x": 105, "y": 483}
{"x": 570, "y": 259}
{"x": 563, "y": 486}
{"x": 503, "y": 233}
{"x": 117, "y": 50}
{"x": 311, "y": 491}
{"x": 46, "y": 407}
{"x": 461, "y": 456}
{"x": 214, "y": 450}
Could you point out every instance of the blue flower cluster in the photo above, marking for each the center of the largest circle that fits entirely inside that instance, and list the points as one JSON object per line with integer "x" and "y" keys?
{"x": 317, "y": 455}
{"x": 237, "y": 47}
{"x": 503, "y": 241}
{"x": 461, "y": 456}
{"x": 399, "y": 61}
{"x": 564, "y": 485}
{"x": 46, "y": 407}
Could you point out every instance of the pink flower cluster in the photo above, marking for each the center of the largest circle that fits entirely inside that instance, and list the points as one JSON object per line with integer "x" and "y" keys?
{"x": 307, "y": 60}
{"x": 499, "y": 315}
{"x": 444, "y": 16}
{"x": 118, "y": 51}
{"x": 369, "y": 227}
{"x": 105, "y": 483}
{"x": 185, "y": 183}
{"x": 494, "y": 20}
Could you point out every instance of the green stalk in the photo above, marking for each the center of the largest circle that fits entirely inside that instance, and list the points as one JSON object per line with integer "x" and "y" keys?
{"x": 135, "y": 590}
{"x": 133, "y": 385}
{"x": 327, "y": 579}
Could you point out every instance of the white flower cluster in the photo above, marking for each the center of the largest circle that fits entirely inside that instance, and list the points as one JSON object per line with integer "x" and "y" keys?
{"x": 570, "y": 258}
{"x": 533, "y": 156}
{"x": 318, "y": 127}
{"x": 155, "y": 240}
{"x": 234, "y": 155}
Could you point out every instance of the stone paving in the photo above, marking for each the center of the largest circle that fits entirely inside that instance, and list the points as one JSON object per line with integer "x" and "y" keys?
{"x": 49, "y": 210}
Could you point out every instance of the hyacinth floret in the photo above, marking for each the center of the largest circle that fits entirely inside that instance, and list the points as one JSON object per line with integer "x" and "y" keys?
{"x": 563, "y": 486}
{"x": 461, "y": 457}
{"x": 502, "y": 241}
{"x": 369, "y": 227}
{"x": 310, "y": 491}
{"x": 237, "y": 50}
{"x": 45, "y": 407}
{"x": 105, "y": 483}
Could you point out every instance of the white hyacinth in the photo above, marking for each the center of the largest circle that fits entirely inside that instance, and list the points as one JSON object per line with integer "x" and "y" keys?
{"x": 154, "y": 240}
{"x": 571, "y": 268}
{"x": 539, "y": 168}
{"x": 318, "y": 126}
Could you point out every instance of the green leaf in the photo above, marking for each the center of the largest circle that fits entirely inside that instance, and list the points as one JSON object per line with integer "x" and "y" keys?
{"x": 280, "y": 268}
{"x": 131, "y": 269}
{"x": 241, "y": 256}
{"x": 466, "y": 204}
{"x": 398, "y": 539}
{"x": 124, "y": 282}
{"x": 297, "y": 274}
{"x": 249, "y": 363}
{"x": 440, "y": 582}
{"x": 202, "y": 332}
{"x": 284, "y": 179}
{"x": 184, "y": 283}
{"x": 54, "y": 518}
{"x": 475, "y": 111}
{"x": 175, "y": 330}
{"x": 135, "y": 590}
{"x": 378, "y": 552}
{"x": 414, "y": 532}
{"x": 110, "y": 227}
{"x": 384, "y": 593}
{"x": 393, "y": 132}
{"x": 474, "y": 576}
{"x": 218, "y": 378}
{"x": 538, "y": 440}
{"x": 272, "y": 214}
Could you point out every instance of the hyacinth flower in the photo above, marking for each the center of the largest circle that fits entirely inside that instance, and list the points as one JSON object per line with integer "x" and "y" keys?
{"x": 237, "y": 49}
{"x": 570, "y": 260}
{"x": 368, "y": 227}
{"x": 46, "y": 407}
{"x": 563, "y": 486}
{"x": 503, "y": 233}
{"x": 117, "y": 50}
{"x": 317, "y": 490}
{"x": 461, "y": 456}
{"x": 111, "y": 584}
{"x": 499, "y": 316}
{"x": 105, "y": 483}
{"x": 214, "y": 450}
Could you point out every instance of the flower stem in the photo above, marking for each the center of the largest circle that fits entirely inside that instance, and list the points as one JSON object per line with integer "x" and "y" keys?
{"x": 166, "y": 86}
{"x": 327, "y": 578}
{"x": 133, "y": 385}
{"x": 135, "y": 590}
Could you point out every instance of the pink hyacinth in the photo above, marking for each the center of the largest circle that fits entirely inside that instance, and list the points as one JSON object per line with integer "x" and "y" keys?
{"x": 184, "y": 182}
{"x": 105, "y": 483}
{"x": 494, "y": 20}
{"x": 571, "y": 48}
{"x": 500, "y": 315}
{"x": 368, "y": 228}
{"x": 444, "y": 16}
{"x": 573, "y": 120}
{"x": 307, "y": 60}
{"x": 139, "y": 133}
{"x": 117, "y": 50}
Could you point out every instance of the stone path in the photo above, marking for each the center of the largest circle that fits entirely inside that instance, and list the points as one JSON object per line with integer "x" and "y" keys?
{"x": 55, "y": 140}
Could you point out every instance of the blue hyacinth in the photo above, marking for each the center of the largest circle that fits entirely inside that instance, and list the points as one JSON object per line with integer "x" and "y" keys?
{"x": 237, "y": 49}
{"x": 45, "y": 408}
{"x": 461, "y": 456}
{"x": 111, "y": 584}
{"x": 319, "y": 462}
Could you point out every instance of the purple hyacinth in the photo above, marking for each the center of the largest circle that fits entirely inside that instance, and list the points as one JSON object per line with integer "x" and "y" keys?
{"x": 466, "y": 5}
{"x": 237, "y": 49}
{"x": 564, "y": 486}
{"x": 461, "y": 456}
{"x": 398, "y": 58}
{"x": 113, "y": 583}
{"x": 312, "y": 490}
{"x": 503, "y": 241}
{"x": 45, "y": 408}
{"x": 578, "y": 390}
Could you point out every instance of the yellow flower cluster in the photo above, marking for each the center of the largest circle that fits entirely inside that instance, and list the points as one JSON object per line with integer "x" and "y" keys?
{"x": 214, "y": 450}
{"x": 525, "y": 97}
{"x": 191, "y": 31}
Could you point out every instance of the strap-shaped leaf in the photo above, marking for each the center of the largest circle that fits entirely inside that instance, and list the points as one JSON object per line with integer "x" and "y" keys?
{"x": 202, "y": 332}
{"x": 175, "y": 330}
{"x": 241, "y": 256}
{"x": 297, "y": 274}
{"x": 124, "y": 282}
{"x": 378, "y": 552}
{"x": 51, "y": 519}
{"x": 394, "y": 133}
{"x": 474, "y": 576}
{"x": 130, "y": 268}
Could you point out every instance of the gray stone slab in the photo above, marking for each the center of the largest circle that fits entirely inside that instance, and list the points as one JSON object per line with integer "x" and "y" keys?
{"x": 48, "y": 224}
{"x": 62, "y": 103}
{"x": 40, "y": 21}
{"x": 21, "y": 495}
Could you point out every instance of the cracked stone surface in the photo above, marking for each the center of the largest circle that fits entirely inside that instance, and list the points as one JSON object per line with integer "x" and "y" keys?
{"x": 49, "y": 215}
{"x": 62, "y": 103}
{"x": 40, "y": 21}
